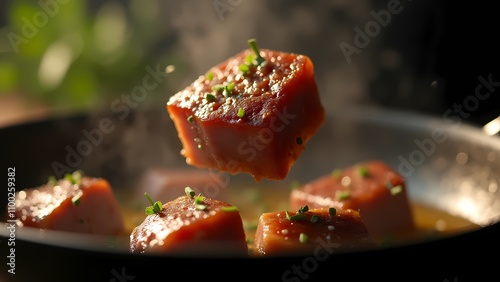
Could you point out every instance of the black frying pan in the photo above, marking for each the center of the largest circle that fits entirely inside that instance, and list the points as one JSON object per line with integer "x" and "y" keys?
{"x": 459, "y": 175}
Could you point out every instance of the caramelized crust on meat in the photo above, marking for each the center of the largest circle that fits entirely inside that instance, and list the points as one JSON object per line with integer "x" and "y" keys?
{"x": 261, "y": 126}
{"x": 183, "y": 229}
{"x": 278, "y": 235}
{"x": 88, "y": 207}
{"x": 372, "y": 187}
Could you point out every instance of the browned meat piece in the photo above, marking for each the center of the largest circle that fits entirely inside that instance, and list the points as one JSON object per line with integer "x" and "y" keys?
{"x": 313, "y": 232}
{"x": 372, "y": 188}
{"x": 255, "y": 119}
{"x": 85, "y": 205}
{"x": 192, "y": 226}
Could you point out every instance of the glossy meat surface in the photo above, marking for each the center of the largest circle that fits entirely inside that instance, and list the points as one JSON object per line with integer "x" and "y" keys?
{"x": 183, "y": 229}
{"x": 87, "y": 207}
{"x": 278, "y": 235}
{"x": 261, "y": 126}
{"x": 372, "y": 187}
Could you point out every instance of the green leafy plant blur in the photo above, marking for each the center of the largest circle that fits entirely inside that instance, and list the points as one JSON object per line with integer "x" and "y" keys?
{"x": 72, "y": 55}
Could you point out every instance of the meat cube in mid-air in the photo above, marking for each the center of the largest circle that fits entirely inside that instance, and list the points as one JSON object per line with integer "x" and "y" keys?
{"x": 76, "y": 203}
{"x": 373, "y": 188}
{"x": 301, "y": 232}
{"x": 253, "y": 113}
{"x": 191, "y": 225}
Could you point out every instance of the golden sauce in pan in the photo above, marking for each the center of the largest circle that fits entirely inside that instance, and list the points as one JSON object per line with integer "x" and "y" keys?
{"x": 253, "y": 201}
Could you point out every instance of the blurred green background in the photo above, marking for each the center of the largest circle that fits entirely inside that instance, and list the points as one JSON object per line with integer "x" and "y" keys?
{"x": 78, "y": 55}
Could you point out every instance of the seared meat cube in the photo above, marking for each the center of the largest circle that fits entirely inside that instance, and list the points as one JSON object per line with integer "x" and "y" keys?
{"x": 372, "y": 188}
{"x": 307, "y": 233}
{"x": 253, "y": 113}
{"x": 192, "y": 226}
{"x": 80, "y": 204}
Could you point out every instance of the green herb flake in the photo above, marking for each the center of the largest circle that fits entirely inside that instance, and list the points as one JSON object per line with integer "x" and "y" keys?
{"x": 155, "y": 207}
{"x": 209, "y": 75}
{"x": 303, "y": 238}
{"x": 241, "y": 112}
{"x": 363, "y": 171}
{"x": 296, "y": 217}
{"x": 245, "y": 69}
{"x": 190, "y": 119}
{"x": 198, "y": 203}
{"x": 298, "y": 140}
{"x": 303, "y": 209}
{"x": 209, "y": 97}
{"x": 218, "y": 87}
{"x": 396, "y": 190}
{"x": 227, "y": 93}
{"x": 76, "y": 199}
{"x": 189, "y": 192}
{"x": 200, "y": 207}
{"x": 253, "y": 45}
{"x": 75, "y": 177}
{"x": 332, "y": 211}
{"x": 249, "y": 59}
{"x": 230, "y": 86}
{"x": 342, "y": 195}
{"x": 314, "y": 218}
{"x": 230, "y": 209}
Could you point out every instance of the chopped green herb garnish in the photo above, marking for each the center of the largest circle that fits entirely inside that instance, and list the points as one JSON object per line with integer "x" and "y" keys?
{"x": 249, "y": 59}
{"x": 337, "y": 173}
{"x": 209, "y": 75}
{"x": 253, "y": 45}
{"x": 230, "y": 209}
{"x": 244, "y": 68}
{"x": 396, "y": 190}
{"x": 230, "y": 86}
{"x": 303, "y": 209}
{"x": 189, "y": 192}
{"x": 252, "y": 60}
{"x": 342, "y": 195}
{"x": 298, "y": 140}
{"x": 75, "y": 177}
{"x": 296, "y": 217}
{"x": 241, "y": 112}
{"x": 155, "y": 207}
{"x": 76, "y": 199}
{"x": 393, "y": 189}
{"x": 303, "y": 238}
{"x": 209, "y": 97}
{"x": 198, "y": 203}
{"x": 314, "y": 218}
{"x": 363, "y": 171}
{"x": 228, "y": 90}
{"x": 190, "y": 118}
{"x": 218, "y": 87}
{"x": 332, "y": 211}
